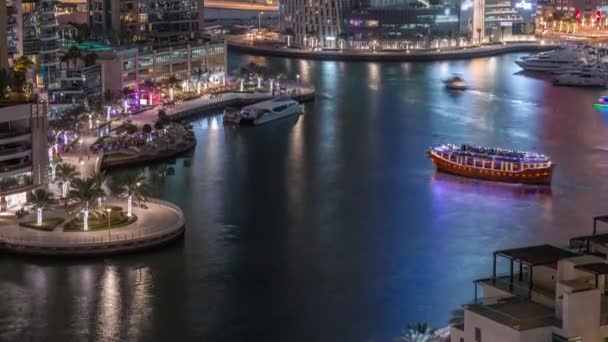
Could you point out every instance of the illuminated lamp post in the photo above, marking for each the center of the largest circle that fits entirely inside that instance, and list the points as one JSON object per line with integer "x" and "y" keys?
{"x": 85, "y": 217}
{"x": 39, "y": 216}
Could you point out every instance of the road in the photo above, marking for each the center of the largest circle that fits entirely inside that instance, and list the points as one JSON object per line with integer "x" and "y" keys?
{"x": 233, "y": 5}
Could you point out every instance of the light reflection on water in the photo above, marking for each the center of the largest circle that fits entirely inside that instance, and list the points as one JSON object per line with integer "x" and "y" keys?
{"x": 334, "y": 226}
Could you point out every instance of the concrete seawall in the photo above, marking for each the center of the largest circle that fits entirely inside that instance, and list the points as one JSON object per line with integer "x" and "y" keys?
{"x": 140, "y": 159}
{"x": 390, "y": 56}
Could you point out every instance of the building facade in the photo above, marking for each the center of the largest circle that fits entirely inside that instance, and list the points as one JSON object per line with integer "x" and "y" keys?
{"x": 137, "y": 68}
{"x": 312, "y": 23}
{"x": 505, "y": 19}
{"x": 74, "y": 85}
{"x": 163, "y": 20}
{"x": 32, "y": 32}
{"x": 3, "y": 36}
{"x": 23, "y": 152}
{"x": 547, "y": 294}
{"x": 409, "y": 20}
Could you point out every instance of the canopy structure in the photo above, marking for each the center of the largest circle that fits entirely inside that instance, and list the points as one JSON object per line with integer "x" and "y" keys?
{"x": 531, "y": 256}
{"x": 595, "y": 238}
{"x": 602, "y": 219}
{"x": 597, "y": 269}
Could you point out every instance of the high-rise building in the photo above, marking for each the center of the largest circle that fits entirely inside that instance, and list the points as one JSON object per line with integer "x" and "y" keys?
{"x": 23, "y": 152}
{"x": 162, "y": 20}
{"x": 3, "y": 36}
{"x": 46, "y": 26}
{"x": 312, "y": 23}
{"x": 403, "y": 20}
{"x": 506, "y": 19}
{"x": 32, "y": 31}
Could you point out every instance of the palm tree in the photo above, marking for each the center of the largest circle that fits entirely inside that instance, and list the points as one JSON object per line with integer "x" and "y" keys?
{"x": 84, "y": 190}
{"x": 133, "y": 186}
{"x": 101, "y": 181}
{"x": 457, "y": 317}
{"x": 21, "y": 66}
{"x": 146, "y": 129}
{"x": 89, "y": 59}
{"x": 72, "y": 55}
{"x": 54, "y": 162}
{"x": 173, "y": 83}
{"x": 41, "y": 199}
{"x": 66, "y": 173}
{"x": 109, "y": 100}
{"x": 419, "y": 332}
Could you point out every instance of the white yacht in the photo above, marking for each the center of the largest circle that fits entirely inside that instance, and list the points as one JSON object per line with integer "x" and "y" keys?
{"x": 263, "y": 112}
{"x": 553, "y": 61}
{"x": 585, "y": 77}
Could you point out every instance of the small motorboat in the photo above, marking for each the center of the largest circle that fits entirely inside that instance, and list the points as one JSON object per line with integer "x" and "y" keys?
{"x": 602, "y": 103}
{"x": 456, "y": 82}
{"x": 232, "y": 116}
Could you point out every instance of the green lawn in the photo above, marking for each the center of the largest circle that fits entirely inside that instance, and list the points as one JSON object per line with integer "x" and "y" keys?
{"x": 48, "y": 224}
{"x": 100, "y": 222}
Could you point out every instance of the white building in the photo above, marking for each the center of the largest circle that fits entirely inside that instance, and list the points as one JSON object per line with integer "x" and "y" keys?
{"x": 312, "y": 23}
{"x": 23, "y": 152}
{"x": 548, "y": 294}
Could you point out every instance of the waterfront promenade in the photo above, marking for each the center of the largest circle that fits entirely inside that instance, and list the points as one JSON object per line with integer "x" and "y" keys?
{"x": 206, "y": 103}
{"x": 243, "y": 44}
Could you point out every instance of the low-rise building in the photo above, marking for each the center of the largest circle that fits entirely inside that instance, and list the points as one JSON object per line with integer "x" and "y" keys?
{"x": 23, "y": 152}
{"x": 547, "y": 294}
{"x": 136, "y": 67}
{"x": 75, "y": 85}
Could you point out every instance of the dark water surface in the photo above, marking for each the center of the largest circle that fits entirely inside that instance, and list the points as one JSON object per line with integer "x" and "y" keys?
{"x": 333, "y": 227}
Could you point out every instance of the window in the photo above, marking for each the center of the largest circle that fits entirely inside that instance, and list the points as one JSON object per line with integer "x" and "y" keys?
{"x": 477, "y": 335}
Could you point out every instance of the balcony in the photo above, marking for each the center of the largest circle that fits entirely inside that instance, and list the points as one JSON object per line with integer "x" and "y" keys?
{"x": 10, "y": 186}
{"x": 15, "y": 169}
{"x": 516, "y": 313}
{"x": 14, "y": 150}
{"x": 9, "y": 139}
{"x": 520, "y": 287}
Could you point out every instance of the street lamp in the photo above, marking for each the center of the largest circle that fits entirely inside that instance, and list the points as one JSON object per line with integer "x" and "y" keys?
{"x": 260, "y": 21}
{"x": 298, "y": 79}
{"x": 109, "y": 210}
{"x": 39, "y": 216}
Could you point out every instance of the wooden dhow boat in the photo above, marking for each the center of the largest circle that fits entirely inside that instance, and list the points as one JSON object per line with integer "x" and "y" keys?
{"x": 492, "y": 164}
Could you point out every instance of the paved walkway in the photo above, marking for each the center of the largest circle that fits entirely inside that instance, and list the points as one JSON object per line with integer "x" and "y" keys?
{"x": 266, "y": 48}
{"x": 160, "y": 219}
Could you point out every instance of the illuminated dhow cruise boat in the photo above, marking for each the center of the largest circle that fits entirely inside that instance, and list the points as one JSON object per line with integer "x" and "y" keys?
{"x": 492, "y": 164}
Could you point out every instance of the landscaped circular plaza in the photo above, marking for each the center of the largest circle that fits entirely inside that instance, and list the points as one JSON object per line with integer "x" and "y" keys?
{"x": 109, "y": 231}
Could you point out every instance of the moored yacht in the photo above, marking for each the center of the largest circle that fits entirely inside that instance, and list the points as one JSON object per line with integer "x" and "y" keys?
{"x": 553, "y": 61}
{"x": 263, "y": 112}
{"x": 584, "y": 77}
